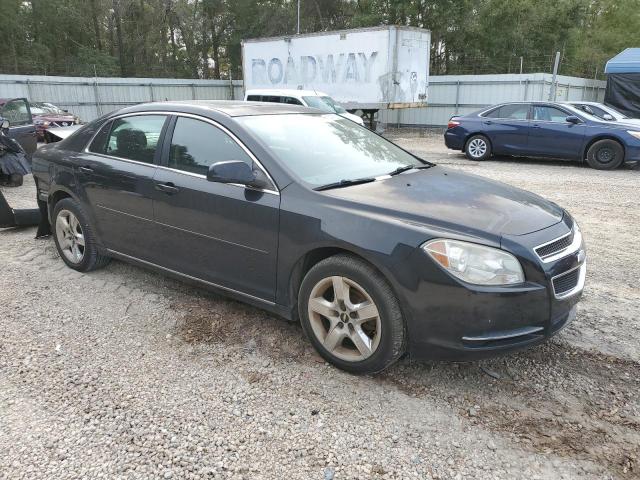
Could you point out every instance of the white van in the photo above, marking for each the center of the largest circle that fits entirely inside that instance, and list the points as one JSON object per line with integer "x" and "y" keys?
{"x": 307, "y": 98}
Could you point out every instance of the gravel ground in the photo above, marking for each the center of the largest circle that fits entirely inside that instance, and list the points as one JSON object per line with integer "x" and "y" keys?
{"x": 123, "y": 373}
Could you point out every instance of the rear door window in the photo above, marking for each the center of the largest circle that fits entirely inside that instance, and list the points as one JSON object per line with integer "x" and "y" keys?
{"x": 516, "y": 111}
{"x": 254, "y": 98}
{"x": 292, "y": 101}
{"x": 132, "y": 138}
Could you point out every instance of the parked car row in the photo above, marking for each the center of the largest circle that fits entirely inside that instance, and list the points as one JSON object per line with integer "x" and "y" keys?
{"x": 32, "y": 122}
{"x": 578, "y": 131}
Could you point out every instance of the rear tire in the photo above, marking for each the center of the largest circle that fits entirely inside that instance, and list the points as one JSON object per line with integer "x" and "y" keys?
{"x": 74, "y": 237}
{"x": 478, "y": 148}
{"x": 605, "y": 155}
{"x": 351, "y": 315}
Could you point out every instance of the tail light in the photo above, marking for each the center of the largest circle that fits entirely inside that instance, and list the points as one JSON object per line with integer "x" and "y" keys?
{"x": 453, "y": 123}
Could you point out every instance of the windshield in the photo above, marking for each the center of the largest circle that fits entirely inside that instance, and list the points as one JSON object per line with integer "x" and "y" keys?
{"x": 323, "y": 149}
{"x": 45, "y": 108}
{"x": 616, "y": 113}
{"x": 326, "y": 104}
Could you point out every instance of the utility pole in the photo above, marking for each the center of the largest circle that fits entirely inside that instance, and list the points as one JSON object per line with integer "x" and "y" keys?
{"x": 521, "y": 61}
{"x": 298, "y": 30}
{"x": 552, "y": 92}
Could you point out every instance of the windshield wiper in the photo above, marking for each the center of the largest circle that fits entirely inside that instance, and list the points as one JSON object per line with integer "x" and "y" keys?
{"x": 405, "y": 168}
{"x": 345, "y": 183}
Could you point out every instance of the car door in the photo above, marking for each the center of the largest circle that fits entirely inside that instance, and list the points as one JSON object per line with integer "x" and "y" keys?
{"x": 225, "y": 234}
{"x": 21, "y": 126}
{"x": 115, "y": 175}
{"x": 508, "y": 128}
{"x": 552, "y": 136}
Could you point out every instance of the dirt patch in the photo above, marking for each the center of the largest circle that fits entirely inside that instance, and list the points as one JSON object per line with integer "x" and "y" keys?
{"x": 210, "y": 319}
{"x": 554, "y": 399}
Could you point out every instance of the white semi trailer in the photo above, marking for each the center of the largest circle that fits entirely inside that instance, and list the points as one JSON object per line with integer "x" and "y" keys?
{"x": 363, "y": 69}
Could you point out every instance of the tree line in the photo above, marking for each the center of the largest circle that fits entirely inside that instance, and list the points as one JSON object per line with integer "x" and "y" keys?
{"x": 202, "y": 38}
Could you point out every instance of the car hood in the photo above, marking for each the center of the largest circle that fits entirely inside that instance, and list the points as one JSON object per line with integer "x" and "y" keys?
{"x": 454, "y": 201}
{"x": 55, "y": 117}
{"x": 632, "y": 122}
{"x": 60, "y": 133}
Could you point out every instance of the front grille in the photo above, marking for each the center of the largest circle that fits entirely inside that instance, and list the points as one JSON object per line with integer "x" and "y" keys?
{"x": 567, "y": 282}
{"x": 555, "y": 247}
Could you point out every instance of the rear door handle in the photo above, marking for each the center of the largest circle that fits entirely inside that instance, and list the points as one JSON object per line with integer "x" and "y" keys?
{"x": 535, "y": 125}
{"x": 168, "y": 188}
{"x": 86, "y": 169}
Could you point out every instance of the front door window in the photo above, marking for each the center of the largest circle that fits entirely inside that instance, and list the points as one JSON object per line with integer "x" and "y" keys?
{"x": 17, "y": 112}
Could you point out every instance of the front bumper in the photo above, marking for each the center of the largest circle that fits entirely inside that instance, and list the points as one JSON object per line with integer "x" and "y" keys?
{"x": 632, "y": 153}
{"x": 454, "y": 321}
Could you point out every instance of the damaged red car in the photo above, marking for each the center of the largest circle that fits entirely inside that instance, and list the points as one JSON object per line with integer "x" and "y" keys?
{"x": 47, "y": 115}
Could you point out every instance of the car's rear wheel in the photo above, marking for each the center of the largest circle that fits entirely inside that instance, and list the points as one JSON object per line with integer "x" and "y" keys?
{"x": 351, "y": 315}
{"x": 74, "y": 237}
{"x": 605, "y": 155}
{"x": 478, "y": 148}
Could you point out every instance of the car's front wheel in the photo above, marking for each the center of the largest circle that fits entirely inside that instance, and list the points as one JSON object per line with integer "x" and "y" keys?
{"x": 351, "y": 315}
{"x": 477, "y": 148}
{"x": 74, "y": 237}
{"x": 605, "y": 155}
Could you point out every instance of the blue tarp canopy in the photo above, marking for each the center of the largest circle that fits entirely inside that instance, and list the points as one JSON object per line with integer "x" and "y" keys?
{"x": 627, "y": 61}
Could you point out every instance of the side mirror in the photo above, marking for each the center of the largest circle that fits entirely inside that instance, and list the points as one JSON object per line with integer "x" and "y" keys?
{"x": 4, "y": 123}
{"x": 235, "y": 171}
{"x": 608, "y": 117}
{"x": 572, "y": 119}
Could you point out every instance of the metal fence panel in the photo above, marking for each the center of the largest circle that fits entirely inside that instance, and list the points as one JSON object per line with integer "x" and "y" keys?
{"x": 461, "y": 94}
{"x": 91, "y": 97}
{"x": 448, "y": 94}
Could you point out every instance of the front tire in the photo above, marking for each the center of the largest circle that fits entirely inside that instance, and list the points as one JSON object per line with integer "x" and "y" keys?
{"x": 351, "y": 315}
{"x": 605, "y": 155}
{"x": 74, "y": 237}
{"x": 477, "y": 148}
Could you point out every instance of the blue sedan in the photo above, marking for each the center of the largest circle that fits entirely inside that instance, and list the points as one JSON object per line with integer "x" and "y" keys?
{"x": 544, "y": 129}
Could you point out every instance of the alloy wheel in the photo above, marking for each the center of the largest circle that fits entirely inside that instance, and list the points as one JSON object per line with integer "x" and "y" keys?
{"x": 477, "y": 147}
{"x": 605, "y": 155}
{"x": 344, "y": 318}
{"x": 70, "y": 236}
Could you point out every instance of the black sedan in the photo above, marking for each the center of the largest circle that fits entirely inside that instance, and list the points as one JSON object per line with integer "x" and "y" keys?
{"x": 544, "y": 129}
{"x": 310, "y": 216}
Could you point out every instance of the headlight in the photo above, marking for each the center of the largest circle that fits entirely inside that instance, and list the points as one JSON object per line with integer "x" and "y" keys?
{"x": 474, "y": 263}
{"x": 634, "y": 133}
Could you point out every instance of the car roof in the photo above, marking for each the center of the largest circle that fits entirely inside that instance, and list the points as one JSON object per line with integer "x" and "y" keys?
{"x": 230, "y": 108}
{"x": 582, "y": 102}
{"x": 284, "y": 91}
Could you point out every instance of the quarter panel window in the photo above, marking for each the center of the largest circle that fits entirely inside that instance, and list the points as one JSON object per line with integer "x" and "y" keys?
{"x": 196, "y": 145}
{"x": 253, "y": 98}
{"x": 549, "y": 114}
{"x": 134, "y": 138}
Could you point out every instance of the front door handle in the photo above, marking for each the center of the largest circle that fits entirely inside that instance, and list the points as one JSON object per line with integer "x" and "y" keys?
{"x": 86, "y": 169}
{"x": 535, "y": 125}
{"x": 169, "y": 188}
{"x": 488, "y": 122}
